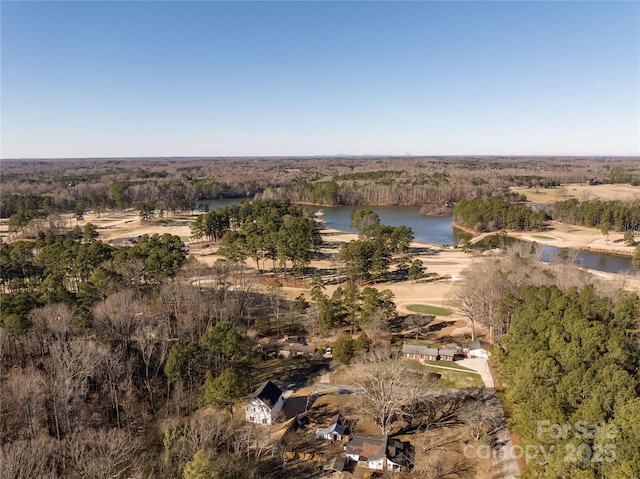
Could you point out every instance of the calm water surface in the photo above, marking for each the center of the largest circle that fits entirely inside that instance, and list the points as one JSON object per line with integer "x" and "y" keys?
{"x": 436, "y": 230}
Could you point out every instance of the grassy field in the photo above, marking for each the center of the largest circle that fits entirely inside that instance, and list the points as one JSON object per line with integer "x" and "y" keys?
{"x": 462, "y": 379}
{"x": 449, "y": 365}
{"x": 543, "y": 237}
{"x": 428, "y": 309}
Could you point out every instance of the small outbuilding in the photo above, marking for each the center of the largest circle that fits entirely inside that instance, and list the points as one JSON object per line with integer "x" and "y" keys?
{"x": 334, "y": 432}
{"x": 335, "y": 463}
{"x": 475, "y": 349}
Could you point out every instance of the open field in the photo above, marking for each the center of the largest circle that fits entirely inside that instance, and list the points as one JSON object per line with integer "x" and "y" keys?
{"x": 581, "y": 191}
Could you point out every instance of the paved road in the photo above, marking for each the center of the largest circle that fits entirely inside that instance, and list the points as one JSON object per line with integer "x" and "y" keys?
{"x": 507, "y": 455}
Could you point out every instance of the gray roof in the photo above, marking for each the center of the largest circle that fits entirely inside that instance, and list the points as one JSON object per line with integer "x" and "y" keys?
{"x": 368, "y": 448}
{"x": 335, "y": 463}
{"x": 419, "y": 349}
{"x": 446, "y": 352}
{"x": 473, "y": 345}
{"x": 334, "y": 426}
{"x": 371, "y": 448}
{"x": 268, "y": 393}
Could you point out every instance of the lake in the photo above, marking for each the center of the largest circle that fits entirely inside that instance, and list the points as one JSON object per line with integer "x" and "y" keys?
{"x": 436, "y": 230}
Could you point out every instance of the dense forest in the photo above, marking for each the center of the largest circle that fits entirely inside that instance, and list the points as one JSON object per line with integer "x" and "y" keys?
{"x": 495, "y": 214}
{"x": 111, "y": 358}
{"x": 570, "y": 362}
{"x": 130, "y": 362}
{"x": 176, "y": 185}
{"x": 607, "y": 215}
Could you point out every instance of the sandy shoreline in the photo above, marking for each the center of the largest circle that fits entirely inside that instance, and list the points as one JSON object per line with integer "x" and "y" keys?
{"x": 443, "y": 266}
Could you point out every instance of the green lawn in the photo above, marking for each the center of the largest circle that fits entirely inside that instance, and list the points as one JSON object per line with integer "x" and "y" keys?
{"x": 462, "y": 379}
{"x": 451, "y": 365}
{"x": 458, "y": 380}
{"x": 543, "y": 237}
{"x": 428, "y": 309}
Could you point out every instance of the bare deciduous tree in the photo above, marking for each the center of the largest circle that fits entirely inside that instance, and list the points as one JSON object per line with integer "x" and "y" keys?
{"x": 478, "y": 418}
{"x": 389, "y": 393}
{"x": 439, "y": 467}
{"x": 105, "y": 454}
{"x": 53, "y": 321}
{"x": 19, "y": 459}
{"x": 68, "y": 367}
{"x": 23, "y": 399}
{"x": 118, "y": 315}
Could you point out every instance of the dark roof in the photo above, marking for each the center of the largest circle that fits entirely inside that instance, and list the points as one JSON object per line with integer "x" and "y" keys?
{"x": 293, "y": 347}
{"x": 371, "y": 448}
{"x": 396, "y": 447}
{"x": 129, "y": 241}
{"x": 268, "y": 393}
{"x": 400, "y": 452}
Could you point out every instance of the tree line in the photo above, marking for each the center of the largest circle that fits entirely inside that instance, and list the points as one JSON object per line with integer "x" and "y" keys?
{"x": 612, "y": 215}
{"x": 570, "y": 361}
{"x": 494, "y": 214}
{"x": 77, "y": 269}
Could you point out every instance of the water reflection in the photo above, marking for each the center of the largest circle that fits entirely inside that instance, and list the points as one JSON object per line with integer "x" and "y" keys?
{"x": 439, "y": 230}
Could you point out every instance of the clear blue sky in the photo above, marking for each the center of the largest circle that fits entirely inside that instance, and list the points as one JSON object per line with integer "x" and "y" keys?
{"x": 106, "y": 79}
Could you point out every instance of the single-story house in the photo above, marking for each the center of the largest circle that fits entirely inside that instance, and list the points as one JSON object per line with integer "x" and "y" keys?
{"x": 296, "y": 349}
{"x": 419, "y": 352}
{"x": 124, "y": 242}
{"x": 334, "y": 432}
{"x": 446, "y": 354}
{"x": 287, "y": 348}
{"x": 381, "y": 453}
{"x": 426, "y": 353}
{"x": 265, "y": 404}
{"x": 475, "y": 349}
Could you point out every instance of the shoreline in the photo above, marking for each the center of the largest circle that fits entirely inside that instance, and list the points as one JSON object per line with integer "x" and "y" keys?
{"x": 565, "y": 236}
{"x": 560, "y": 235}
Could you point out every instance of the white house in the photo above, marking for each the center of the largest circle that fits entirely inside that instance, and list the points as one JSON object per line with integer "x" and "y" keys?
{"x": 381, "y": 453}
{"x": 474, "y": 349}
{"x": 334, "y": 432}
{"x": 265, "y": 404}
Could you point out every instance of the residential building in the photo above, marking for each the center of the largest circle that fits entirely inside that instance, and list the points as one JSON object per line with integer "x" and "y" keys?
{"x": 265, "y": 405}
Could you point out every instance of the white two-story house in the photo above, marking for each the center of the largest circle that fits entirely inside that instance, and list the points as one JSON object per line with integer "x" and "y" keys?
{"x": 265, "y": 404}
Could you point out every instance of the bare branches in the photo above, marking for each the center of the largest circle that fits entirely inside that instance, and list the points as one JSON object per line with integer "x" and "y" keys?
{"x": 390, "y": 394}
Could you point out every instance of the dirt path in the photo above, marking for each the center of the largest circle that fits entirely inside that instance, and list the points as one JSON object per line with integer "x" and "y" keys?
{"x": 507, "y": 453}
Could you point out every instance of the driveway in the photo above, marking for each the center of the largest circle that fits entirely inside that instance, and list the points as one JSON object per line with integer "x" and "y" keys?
{"x": 507, "y": 454}
{"x": 481, "y": 366}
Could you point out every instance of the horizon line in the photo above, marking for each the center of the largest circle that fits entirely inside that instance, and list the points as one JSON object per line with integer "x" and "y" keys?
{"x": 352, "y": 156}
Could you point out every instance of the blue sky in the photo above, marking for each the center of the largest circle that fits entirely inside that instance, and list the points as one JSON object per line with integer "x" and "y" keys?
{"x": 105, "y": 79}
